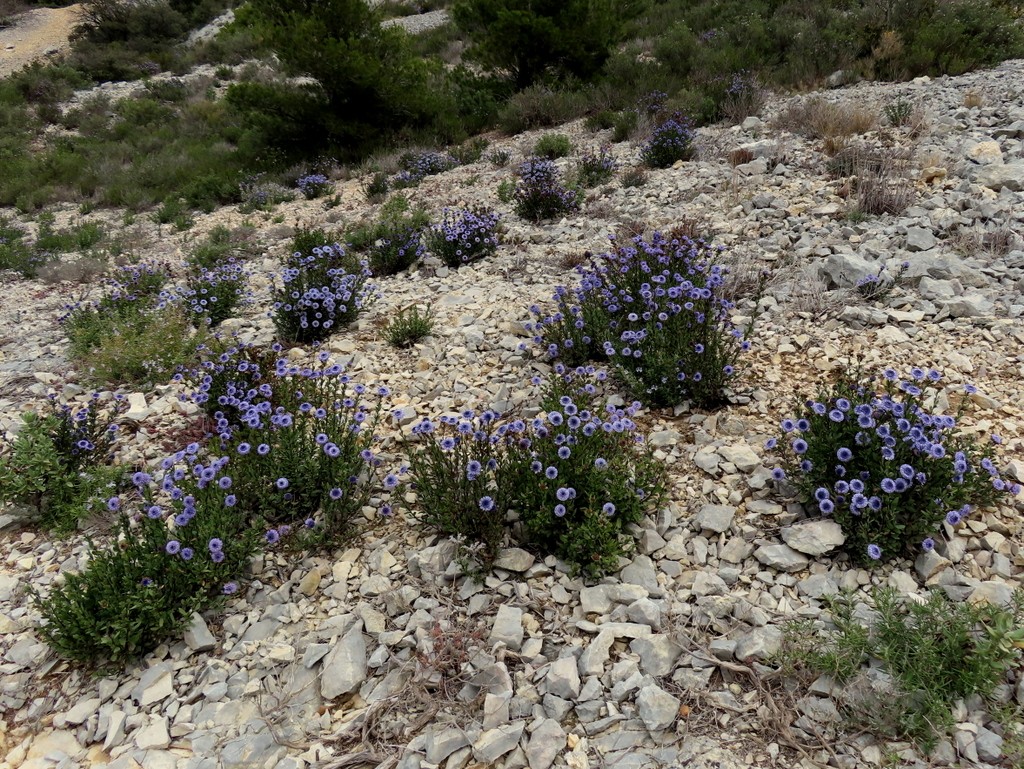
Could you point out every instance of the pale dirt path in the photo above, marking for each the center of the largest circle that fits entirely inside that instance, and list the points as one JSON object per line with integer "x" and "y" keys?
{"x": 37, "y": 32}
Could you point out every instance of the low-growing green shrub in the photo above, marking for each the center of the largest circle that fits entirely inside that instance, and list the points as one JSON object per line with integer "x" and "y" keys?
{"x": 377, "y": 187}
{"x": 409, "y": 326}
{"x": 59, "y": 461}
{"x": 552, "y": 146}
{"x": 670, "y": 339}
{"x": 540, "y": 194}
{"x": 594, "y": 168}
{"x": 898, "y": 112}
{"x": 396, "y": 216}
{"x": 319, "y": 293}
{"x": 936, "y": 652}
{"x": 15, "y": 253}
{"x": 669, "y": 142}
{"x": 135, "y": 333}
{"x": 884, "y": 467}
{"x": 221, "y": 245}
{"x": 470, "y": 151}
{"x": 634, "y": 177}
{"x": 463, "y": 236}
{"x": 500, "y": 158}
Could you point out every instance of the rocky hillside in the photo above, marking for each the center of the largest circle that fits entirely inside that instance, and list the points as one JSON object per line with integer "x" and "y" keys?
{"x": 384, "y": 654}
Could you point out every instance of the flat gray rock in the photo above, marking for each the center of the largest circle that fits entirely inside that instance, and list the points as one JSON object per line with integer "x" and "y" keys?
{"x": 344, "y": 668}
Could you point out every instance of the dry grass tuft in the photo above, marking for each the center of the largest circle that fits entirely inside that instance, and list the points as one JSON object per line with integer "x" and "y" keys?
{"x": 821, "y": 119}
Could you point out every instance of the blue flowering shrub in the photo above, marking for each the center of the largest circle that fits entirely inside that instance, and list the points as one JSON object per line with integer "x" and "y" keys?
{"x": 60, "y": 459}
{"x": 301, "y": 444}
{"x": 671, "y": 140}
{"x": 464, "y": 236}
{"x": 319, "y": 293}
{"x": 314, "y": 186}
{"x": 456, "y": 469}
{"x": 180, "y": 546}
{"x": 654, "y": 310}
{"x": 417, "y": 166}
{"x": 578, "y": 474}
{"x": 884, "y": 467}
{"x": 396, "y": 251}
{"x": 594, "y": 168}
{"x": 575, "y": 476}
{"x": 292, "y": 461}
{"x": 540, "y": 194}
{"x": 225, "y": 373}
{"x": 213, "y": 294}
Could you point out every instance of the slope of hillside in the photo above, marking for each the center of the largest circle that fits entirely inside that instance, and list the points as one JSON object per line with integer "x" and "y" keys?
{"x": 385, "y": 654}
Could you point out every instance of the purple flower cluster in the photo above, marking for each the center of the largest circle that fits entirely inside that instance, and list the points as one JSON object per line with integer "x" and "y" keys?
{"x": 418, "y": 166}
{"x": 317, "y": 295}
{"x": 396, "y": 252}
{"x": 654, "y": 311}
{"x": 540, "y": 193}
{"x": 313, "y": 185}
{"x": 464, "y": 235}
{"x": 213, "y": 294}
{"x": 594, "y": 168}
{"x": 887, "y": 469}
{"x": 669, "y": 141}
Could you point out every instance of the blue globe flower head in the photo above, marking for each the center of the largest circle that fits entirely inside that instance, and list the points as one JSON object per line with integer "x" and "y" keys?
{"x": 874, "y": 552}
{"x": 486, "y": 504}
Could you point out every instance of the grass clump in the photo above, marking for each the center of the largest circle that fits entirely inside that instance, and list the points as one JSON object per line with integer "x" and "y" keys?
{"x": 884, "y": 467}
{"x": 934, "y": 653}
{"x": 552, "y": 146}
{"x": 409, "y": 326}
{"x": 136, "y": 333}
{"x": 60, "y": 460}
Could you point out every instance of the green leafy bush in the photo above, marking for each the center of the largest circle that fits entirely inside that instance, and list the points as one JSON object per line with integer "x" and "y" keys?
{"x": 133, "y": 334}
{"x": 58, "y": 462}
{"x": 937, "y": 652}
{"x": 368, "y": 87}
{"x": 409, "y": 326}
{"x": 552, "y": 146}
{"x": 377, "y": 187}
{"x": 529, "y": 40}
{"x": 884, "y": 467}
